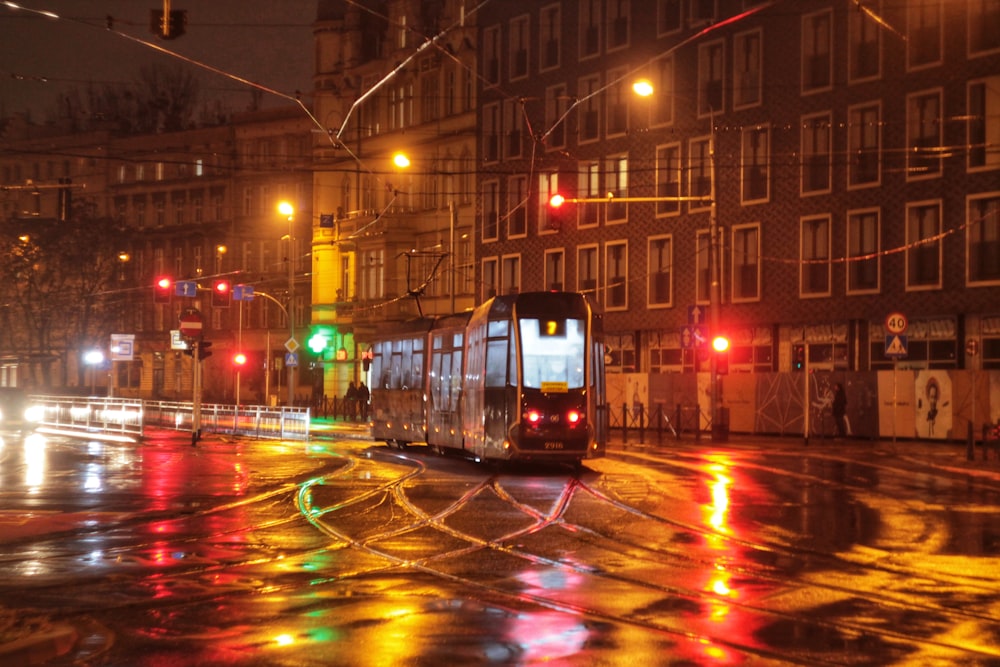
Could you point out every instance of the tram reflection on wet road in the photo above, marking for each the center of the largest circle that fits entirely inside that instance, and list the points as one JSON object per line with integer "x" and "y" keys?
{"x": 347, "y": 552}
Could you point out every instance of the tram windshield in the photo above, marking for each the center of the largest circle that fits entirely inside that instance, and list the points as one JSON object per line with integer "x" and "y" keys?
{"x": 552, "y": 352}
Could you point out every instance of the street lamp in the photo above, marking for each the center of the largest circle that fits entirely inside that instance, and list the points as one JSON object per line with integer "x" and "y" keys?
{"x": 288, "y": 211}
{"x": 644, "y": 88}
{"x": 93, "y": 358}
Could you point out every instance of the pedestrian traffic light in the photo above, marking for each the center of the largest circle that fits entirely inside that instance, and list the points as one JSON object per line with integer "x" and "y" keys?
{"x": 203, "y": 351}
{"x": 161, "y": 290}
{"x": 720, "y": 345}
{"x": 222, "y": 295}
{"x": 239, "y": 359}
{"x": 798, "y": 357}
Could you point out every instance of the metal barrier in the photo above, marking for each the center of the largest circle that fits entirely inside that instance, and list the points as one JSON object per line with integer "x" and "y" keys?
{"x": 103, "y": 417}
{"x": 256, "y": 421}
{"x": 95, "y": 416}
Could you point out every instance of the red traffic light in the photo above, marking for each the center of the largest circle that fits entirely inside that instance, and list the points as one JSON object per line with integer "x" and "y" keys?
{"x": 221, "y": 294}
{"x": 556, "y": 200}
{"x": 239, "y": 359}
{"x": 161, "y": 289}
{"x": 720, "y": 344}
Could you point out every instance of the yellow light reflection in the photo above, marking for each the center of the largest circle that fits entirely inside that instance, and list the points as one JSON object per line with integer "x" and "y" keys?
{"x": 34, "y": 461}
{"x": 284, "y": 640}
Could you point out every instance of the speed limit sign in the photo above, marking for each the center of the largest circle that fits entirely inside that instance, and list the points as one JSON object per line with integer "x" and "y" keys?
{"x": 896, "y": 323}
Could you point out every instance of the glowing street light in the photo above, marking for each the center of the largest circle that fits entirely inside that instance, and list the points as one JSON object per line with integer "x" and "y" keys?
{"x": 287, "y": 210}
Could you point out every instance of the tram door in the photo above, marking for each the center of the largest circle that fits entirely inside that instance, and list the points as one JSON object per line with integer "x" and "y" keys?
{"x": 598, "y": 396}
{"x": 500, "y": 387}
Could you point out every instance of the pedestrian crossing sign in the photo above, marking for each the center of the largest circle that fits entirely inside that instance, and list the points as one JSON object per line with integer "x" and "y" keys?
{"x": 895, "y": 346}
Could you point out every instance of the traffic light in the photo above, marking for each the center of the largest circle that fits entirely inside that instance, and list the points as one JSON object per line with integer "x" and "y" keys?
{"x": 318, "y": 341}
{"x": 720, "y": 344}
{"x": 798, "y": 357}
{"x": 161, "y": 290}
{"x": 558, "y": 211}
{"x": 239, "y": 359}
{"x": 222, "y": 296}
{"x": 366, "y": 358}
{"x": 203, "y": 351}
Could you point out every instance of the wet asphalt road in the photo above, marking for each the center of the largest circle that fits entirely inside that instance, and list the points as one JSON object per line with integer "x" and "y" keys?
{"x": 342, "y": 551}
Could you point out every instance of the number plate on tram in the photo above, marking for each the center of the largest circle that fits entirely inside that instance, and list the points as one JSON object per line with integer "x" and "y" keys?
{"x": 554, "y": 444}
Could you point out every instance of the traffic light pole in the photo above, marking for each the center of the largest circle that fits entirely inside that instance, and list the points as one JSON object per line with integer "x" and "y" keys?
{"x": 196, "y": 395}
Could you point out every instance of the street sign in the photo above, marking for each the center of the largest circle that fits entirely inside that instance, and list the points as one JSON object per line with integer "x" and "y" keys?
{"x": 896, "y": 323}
{"x": 291, "y": 359}
{"x": 177, "y": 342}
{"x": 122, "y": 347}
{"x": 895, "y": 346}
{"x": 291, "y": 345}
{"x": 243, "y": 292}
{"x": 692, "y": 337}
{"x": 191, "y": 323}
{"x": 696, "y": 315}
{"x": 188, "y": 288}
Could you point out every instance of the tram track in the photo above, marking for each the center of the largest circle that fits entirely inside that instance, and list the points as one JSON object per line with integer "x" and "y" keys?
{"x": 613, "y": 546}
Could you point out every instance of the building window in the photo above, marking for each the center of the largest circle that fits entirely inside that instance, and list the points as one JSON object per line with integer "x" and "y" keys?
{"x": 747, "y": 60}
{"x": 661, "y": 103}
{"x": 491, "y": 54}
{"x": 746, "y": 262}
{"x": 491, "y": 208}
{"x": 660, "y": 270}
{"x": 668, "y": 180}
{"x": 700, "y": 173}
{"x": 983, "y": 238}
{"x": 590, "y": 109}
{"x": 983, "y": 128}
{"x": 923, "y": 33}
{"x": 618, "y": 24}
{"x": 617, "y": 95}
{"x": 984, "y": 26}
{"x": 548, "y": 185}
{"x": 510, "y": 274}
{"x": 586, "y": 271}
{"x": 710, "y": 78}
{"x": 517, "y": 206}
{"x": 513, "y": 122}
{"x": 923, "y": 256}
{"x": 817, "y": 64}
{"x": 814, "y": 255}
{"x": 923, "y": 135}
{"x": 616, "y": 188}
{"x": 490, "y": 277}
{"x": 556, "y": 106}
{"x": 430, "y": 96}
{"x": 863, "y": 247}
{"x": 590, "y": 28}
{"x": 864, "y": 50}
{"x": 550, "y": 37}
{"x": 616, "y": 275}
{"x": 816, "y": 152}
{"x": 704, "y": 11}
{"x": 589, "y": 187}
{"x": 864, "y": 134}
{"x": 756, "y": 164}
{"x": 519, "y": 41}
{"x": 555, "y": 270}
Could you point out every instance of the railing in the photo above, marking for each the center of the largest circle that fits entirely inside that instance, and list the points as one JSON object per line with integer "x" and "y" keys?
{"x": 124, "y": 418}
{"x": 256, "y": 421}
{"x": 96, "y": 416}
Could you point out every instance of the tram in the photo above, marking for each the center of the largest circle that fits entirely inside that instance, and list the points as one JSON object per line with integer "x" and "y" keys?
{"x": 520, "y": 378}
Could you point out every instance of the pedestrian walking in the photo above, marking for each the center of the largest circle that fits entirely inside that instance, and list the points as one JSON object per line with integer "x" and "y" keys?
{"x": 839, "y": 408}
{"x": 351, "y": 402}
{"x": 363, "y": 396}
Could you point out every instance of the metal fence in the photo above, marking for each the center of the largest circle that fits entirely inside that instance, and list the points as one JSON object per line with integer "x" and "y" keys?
{"x": 98, "y": 416}
{"x": 125, "y": 417}
{"x": 255, "y": 421}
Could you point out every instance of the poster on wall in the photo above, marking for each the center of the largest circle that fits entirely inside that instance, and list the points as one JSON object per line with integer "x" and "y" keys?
{"x": 933, "y": 414}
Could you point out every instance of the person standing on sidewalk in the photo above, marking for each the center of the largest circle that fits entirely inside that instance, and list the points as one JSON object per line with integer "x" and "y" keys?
{"x": 351, "y": 402}
{"x": 839, "y": 408}
{"x": 363, "y": 396}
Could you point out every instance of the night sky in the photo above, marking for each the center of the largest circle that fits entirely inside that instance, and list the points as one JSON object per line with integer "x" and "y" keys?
{"x": 268, "y": 42}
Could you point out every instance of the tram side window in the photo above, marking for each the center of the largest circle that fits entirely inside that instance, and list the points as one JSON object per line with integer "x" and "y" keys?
{"x": 496, "y": 363}
{"x": 380, "y": 370}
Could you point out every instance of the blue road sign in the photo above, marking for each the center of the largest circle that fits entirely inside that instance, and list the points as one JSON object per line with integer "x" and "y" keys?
{"x": 895, "y": 346}
{"x": 243, "y": 292}
{"x": 696, "y": 315}
{"x": 291, "y": 359}
{"x": 188, "y": 288}
{"x": 692, "y": 337}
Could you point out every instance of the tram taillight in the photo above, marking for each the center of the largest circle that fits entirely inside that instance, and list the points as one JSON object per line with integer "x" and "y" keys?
{"x": 573, "y": 417}
{"x": 533, "y": 416}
